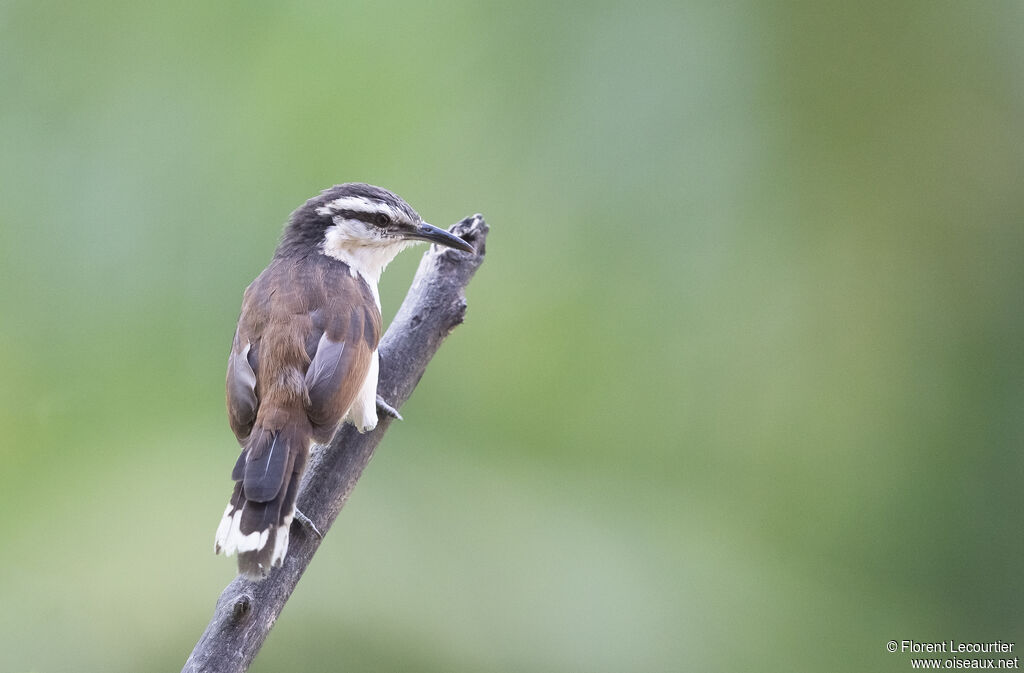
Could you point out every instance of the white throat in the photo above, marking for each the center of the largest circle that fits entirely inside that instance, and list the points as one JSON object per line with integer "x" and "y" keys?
{"x": 366, "y": 259}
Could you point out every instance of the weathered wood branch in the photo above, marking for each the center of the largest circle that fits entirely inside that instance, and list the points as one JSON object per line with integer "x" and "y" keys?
{"x": 434, "y": 306}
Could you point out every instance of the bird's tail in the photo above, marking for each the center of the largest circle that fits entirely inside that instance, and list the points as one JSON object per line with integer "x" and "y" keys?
{"x": 262, "y": 506}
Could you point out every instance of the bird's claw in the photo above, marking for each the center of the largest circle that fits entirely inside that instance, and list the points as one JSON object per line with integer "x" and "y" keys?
{"x": 386, "y": 409}
{"x": 308, "y": 524}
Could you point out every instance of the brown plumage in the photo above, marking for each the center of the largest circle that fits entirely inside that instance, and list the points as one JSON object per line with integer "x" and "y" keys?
{"x": 304, "y": 355}
{"x": 305, "y": 338}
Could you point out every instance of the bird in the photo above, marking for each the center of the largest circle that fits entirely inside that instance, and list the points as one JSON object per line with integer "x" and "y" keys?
{"x": 304, "y": 356}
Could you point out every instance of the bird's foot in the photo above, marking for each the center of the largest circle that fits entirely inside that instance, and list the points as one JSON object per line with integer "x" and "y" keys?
{"x": 308, "y": 524}
{"x": 386, "y": 409}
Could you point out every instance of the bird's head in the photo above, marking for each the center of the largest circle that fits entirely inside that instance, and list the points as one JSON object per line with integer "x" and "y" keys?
{"x": 362, "y": 225}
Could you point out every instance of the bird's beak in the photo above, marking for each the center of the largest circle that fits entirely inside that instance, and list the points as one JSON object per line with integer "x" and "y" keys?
{"x": 428, "y": 232}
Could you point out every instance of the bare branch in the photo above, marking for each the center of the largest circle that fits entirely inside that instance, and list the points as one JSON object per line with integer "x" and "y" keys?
{"x": 434, "y": 306}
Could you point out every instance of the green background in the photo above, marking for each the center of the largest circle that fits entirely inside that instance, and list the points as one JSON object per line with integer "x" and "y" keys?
{"x": 741, "y": 385}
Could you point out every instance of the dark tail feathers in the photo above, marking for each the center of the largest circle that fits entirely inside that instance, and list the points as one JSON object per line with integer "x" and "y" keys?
{"x": 260, "y": 512}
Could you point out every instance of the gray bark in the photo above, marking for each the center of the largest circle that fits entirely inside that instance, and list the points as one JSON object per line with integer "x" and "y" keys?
{"x": 434, "y": 306}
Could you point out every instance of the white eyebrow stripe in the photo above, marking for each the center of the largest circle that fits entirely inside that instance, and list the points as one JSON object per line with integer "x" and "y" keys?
{"x": 358, "y": 204}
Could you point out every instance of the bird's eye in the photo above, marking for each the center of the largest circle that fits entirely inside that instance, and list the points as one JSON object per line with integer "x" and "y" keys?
{"x": 382, "y": 220}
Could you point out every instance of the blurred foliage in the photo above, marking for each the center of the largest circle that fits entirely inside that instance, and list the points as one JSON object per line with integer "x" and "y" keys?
{"x": 742, "y": 381}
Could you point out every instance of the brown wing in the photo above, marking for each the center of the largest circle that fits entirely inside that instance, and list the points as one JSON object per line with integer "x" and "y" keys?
{"x": 345, "y": 330}
{"x": 241, "y": 388}
{"x": 306, "y": 335}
